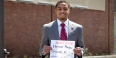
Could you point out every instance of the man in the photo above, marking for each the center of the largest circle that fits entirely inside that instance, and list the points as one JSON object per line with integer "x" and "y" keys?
{"x": 62, "y": 29}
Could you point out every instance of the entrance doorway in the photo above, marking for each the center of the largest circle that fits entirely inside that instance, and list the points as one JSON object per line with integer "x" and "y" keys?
{"x": 115, "y": 33}
{"x": 115, "y": 26}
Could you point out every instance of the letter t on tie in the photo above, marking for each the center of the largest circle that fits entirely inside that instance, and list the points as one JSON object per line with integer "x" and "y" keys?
{"x": 63, "y": 35}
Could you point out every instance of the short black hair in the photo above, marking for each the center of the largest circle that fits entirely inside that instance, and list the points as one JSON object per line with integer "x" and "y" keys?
{"x": 62, "y": 1}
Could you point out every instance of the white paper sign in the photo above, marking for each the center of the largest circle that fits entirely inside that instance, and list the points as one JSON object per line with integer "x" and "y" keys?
{"x": 62, "y": 49}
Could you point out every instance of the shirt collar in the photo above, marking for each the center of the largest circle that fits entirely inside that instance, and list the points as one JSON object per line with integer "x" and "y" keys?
{"x": 59, "y": 22}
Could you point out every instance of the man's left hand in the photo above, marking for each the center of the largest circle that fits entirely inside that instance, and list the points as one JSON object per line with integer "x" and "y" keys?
{"x": 77, "y": 51}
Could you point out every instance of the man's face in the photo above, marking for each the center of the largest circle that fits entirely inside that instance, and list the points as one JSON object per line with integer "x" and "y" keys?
{"x": 62, "y": 11}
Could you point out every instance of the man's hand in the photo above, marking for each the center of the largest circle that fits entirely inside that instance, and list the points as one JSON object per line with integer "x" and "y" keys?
{"x": 46, "y": 49}
{"x": 77, "y": 51}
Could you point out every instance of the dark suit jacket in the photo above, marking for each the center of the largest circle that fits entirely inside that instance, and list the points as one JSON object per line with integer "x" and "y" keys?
{"x": 50, "y": 32}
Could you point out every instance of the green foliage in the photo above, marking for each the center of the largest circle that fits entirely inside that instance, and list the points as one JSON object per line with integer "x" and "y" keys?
{"x": 15, "y": 57}
{"x": 87, "y": 53}
{"x": 25, "y": 56}
{"x": 103, "y": 54}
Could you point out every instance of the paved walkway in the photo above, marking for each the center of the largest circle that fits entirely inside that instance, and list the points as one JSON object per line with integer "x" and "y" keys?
{"x": 107, "y": 56}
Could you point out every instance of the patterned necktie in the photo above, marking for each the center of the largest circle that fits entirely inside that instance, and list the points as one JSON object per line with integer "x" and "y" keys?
{"x": 63, "y": 35}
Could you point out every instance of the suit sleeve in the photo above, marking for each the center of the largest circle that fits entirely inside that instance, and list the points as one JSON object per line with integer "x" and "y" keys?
{"x": 45, "y": 39}
{"x": 80, "y": 41}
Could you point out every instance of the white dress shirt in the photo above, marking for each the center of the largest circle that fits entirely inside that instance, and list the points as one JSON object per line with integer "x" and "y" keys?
{"x": 66, "y": 26}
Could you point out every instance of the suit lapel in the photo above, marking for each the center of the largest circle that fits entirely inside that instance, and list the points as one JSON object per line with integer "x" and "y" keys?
{"x": 70, "y": 30}
{"x": 55, "y": 30}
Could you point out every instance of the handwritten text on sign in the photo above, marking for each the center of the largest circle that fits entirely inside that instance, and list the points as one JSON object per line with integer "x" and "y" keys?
{"x": 62, "y": 49}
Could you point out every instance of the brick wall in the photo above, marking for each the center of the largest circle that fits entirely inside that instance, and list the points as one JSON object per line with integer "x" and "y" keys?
{"x": 23, "y": 27}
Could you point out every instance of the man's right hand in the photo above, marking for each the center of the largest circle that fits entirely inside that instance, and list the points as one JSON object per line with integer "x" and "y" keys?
{"x": 46, "y": 49}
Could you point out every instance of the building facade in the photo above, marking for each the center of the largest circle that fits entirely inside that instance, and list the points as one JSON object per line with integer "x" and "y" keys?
{"x": 23, "y": 24}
